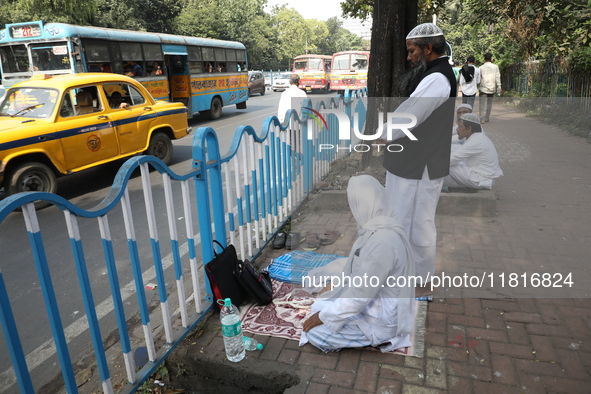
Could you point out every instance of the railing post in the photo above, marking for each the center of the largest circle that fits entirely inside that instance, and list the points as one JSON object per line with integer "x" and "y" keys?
{"x": 206, "y": 157}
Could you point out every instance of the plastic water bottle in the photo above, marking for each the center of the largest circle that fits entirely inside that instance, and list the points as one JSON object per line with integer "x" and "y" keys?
{"x": 232, "y": 331}
{"x": 251, "y": 344}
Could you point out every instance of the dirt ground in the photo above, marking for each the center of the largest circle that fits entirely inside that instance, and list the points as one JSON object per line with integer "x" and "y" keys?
{"x": 344, "y": 168}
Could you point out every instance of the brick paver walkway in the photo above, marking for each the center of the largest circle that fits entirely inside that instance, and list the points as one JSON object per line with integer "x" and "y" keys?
{"x": 492, "y": 344}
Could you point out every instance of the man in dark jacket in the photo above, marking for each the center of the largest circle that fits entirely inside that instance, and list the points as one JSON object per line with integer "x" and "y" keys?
{"x": 415, "y": 173}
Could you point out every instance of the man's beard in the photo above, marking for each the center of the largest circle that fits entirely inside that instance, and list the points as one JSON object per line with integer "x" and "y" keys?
{"x": 411, "y": 78}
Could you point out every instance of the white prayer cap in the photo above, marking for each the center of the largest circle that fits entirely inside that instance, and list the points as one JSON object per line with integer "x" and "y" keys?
{"x": 464, "y": 106}
{"x": 471, "y": 117}
{"x": 425, "y": 30}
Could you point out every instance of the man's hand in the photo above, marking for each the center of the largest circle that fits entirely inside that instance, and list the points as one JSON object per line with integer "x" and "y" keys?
{"x": 382, "y": 141}
{"x": 325, "y": 289}
{"x": 312, "y": 322}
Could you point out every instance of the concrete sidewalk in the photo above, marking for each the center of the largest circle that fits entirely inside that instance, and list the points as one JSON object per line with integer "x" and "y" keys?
{"x": 491, "y": 344}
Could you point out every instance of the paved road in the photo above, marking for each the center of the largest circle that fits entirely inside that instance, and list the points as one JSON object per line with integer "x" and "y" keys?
{"x": 87, "y": 189}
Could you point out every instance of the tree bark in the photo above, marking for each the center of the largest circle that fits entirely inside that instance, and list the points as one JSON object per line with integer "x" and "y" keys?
{"x": 392, "y": 20}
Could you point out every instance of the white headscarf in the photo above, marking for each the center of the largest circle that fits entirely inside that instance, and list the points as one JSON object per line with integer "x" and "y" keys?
{"x": 370, "y": 204}
{"x": 372, "y": 209}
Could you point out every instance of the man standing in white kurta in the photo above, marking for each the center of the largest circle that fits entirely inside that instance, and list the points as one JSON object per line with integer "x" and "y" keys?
{"x": 377, "y": 312}
{"x": 415, "y": 175}
{"x": 475, "y": 164}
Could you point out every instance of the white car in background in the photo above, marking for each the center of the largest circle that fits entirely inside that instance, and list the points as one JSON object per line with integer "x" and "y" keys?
{"x": 281, "y": 82}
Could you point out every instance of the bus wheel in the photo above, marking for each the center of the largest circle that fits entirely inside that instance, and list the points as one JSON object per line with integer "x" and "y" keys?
{"x": 32, "y": 177}
{"x": 160, "y": 147}
{"x": 215, "y": 112}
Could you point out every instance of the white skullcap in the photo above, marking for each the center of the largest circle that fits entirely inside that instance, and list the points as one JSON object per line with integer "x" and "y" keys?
{"x": 425, "y": 30}
{"x": 464, "y": 106}
{"x": 471, "y": 117}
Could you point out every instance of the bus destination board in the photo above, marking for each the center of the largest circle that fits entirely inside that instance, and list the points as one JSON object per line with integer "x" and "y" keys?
{"x": 25, "y": 31}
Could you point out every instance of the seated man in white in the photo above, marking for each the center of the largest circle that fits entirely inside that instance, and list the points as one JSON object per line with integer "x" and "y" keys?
{"x": 460, "y": 110}
{"x": 475, "y": 164}
{"x": 377, "y": 313}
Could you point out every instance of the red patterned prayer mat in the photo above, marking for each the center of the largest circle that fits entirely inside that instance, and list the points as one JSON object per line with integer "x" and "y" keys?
{"x": 285, "y": 316}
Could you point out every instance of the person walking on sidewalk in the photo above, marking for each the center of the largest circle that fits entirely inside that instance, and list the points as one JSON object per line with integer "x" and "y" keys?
{"x": 490, "y": 82}
{"x": 415, "y": 174}
{"x": 376, "y": 313}
{"x": 469, "y": 80}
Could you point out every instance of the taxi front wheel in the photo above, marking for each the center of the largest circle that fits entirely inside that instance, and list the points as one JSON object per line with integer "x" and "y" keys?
{"x": 32, "y": 177}
{"x": 161, "y": 147}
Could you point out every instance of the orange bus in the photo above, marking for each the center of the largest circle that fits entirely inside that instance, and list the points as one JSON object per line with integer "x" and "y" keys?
{"x": 314, "y": 72}
{"x": 349, "y": 70}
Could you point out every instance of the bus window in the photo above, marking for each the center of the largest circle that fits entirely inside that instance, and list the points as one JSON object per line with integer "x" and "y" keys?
{"x": 232, "y": 66}
{"x": 154, "y": 59}
{"x": 155, "y": 69}
{"x": 208, "y": 55}
{"x": 14, "y": 59}
{"x": 341, "y": 62}
{"x": 133, "y": 64}
{"x": 220, "y": 55}
{"x": 195, "y": 60}
{"x": 359, "y": 62}
{"x": 46, "y": 58}
{"x": 315, "y": 64}
{"x": 300, "y": 64}
{"x": 93, "y": 68}
{"x": 241, "y": 59}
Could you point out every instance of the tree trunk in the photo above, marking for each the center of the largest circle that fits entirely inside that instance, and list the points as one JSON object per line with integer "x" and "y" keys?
{"x": 392, "y": 20}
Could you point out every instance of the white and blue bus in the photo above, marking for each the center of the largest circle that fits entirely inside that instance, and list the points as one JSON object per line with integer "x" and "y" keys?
{"x": 204, "y": 74}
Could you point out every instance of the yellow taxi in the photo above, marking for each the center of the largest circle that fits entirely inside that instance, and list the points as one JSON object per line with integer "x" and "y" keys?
{"x": 57, "y": 125}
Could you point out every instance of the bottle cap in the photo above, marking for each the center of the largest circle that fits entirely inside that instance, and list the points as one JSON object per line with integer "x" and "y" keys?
{"x": 225, "y": 302}
{"x": 260, "y": 346}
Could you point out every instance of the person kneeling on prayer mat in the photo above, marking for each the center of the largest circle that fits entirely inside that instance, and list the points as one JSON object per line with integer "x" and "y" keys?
{"x": 381, "y": 311}
{"x": 475, "y": 164}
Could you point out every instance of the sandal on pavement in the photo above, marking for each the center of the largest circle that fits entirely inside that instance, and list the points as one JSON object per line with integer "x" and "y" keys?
{"x": 329, "y": 237}
{"x": 293, "y": 240}
{"x": 279, "y": 241}
{"x": 312, "y": 242}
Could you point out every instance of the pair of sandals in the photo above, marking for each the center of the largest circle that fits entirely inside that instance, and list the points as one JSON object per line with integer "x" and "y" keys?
{"x": 314, "y": 241}
{"x": 289, "y": 241}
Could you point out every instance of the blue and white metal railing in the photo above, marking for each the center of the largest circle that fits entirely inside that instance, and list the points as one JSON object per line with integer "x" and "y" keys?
{"x": 118, "y": 195}
{"x": 244, "y": 197}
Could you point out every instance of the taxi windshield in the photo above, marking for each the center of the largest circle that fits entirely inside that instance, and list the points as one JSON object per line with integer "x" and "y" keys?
{"x": 29, "y": 102}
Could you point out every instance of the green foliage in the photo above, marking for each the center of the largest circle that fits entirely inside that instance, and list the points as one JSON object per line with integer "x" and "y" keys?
{"x": 537, "y": 28}
{"x": 66, "y": 11}
{"x": 338, "y": 39}
{"x": 363, "y": 9}
{"x": 579, "y": 61}
{"x": 272, "y": 39}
